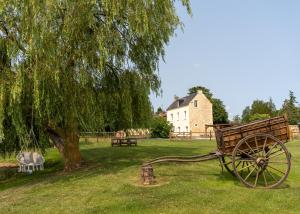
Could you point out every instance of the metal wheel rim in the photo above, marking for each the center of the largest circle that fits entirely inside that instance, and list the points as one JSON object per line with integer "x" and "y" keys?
{"x": 262, "y": 166}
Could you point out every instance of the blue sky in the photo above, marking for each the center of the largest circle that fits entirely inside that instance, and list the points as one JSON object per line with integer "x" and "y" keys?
{"x": 240, "y": 49}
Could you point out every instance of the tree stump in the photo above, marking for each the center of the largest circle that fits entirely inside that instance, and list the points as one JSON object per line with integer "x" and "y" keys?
{"x": 147, "y": 175}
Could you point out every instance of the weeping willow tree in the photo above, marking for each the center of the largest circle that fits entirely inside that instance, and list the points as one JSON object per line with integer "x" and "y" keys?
{"x": 128, "y": 105}
{"x": 62, "y": 61}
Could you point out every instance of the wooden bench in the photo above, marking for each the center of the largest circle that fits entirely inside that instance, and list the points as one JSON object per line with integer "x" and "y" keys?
{"x": 123, "y": 141}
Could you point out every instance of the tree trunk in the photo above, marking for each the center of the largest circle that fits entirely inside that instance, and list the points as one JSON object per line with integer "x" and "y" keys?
{"x": 67, "y": 143}
{"x": 71, "y": 153}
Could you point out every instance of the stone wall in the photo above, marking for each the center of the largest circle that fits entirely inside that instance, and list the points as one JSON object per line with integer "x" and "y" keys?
{"x": 295, "y": 131}
{"x": 202, "y": 114}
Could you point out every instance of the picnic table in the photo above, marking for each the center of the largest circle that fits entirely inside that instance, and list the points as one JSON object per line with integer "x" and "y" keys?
{"x": 123, "y": 141}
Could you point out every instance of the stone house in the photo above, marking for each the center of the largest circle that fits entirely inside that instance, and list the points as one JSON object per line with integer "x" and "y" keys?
{"x": 190, "y": 113}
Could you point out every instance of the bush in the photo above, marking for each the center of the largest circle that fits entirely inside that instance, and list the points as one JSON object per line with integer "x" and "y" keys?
{"x": 160, "y": 128}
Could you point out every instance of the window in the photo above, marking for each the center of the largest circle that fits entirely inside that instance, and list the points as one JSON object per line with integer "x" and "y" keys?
{"x": 195, "y": 103}
{"x": 172, "y": 117}
{"x": 186, "y": 128}
{"x": 178, "y": 129}
{"x": 196, "y": 125}
{"x": 185, "y": 115}
{"x": 177, "y": 116}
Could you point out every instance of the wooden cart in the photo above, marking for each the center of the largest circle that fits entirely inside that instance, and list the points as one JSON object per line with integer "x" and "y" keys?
{"x": 254, "y": 153}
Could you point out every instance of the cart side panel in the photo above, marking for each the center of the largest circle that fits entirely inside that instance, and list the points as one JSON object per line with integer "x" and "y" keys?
{"x": 229, "y": 137}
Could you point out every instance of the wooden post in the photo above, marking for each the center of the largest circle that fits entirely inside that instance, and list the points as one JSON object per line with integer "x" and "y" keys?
{"x": 147, "y": 175}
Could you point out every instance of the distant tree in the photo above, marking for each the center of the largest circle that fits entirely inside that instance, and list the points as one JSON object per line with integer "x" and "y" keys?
{"x": 160, "y": 128}
{"x": 290, "y": 109}
{"x": 220, "y": 114}
{"x": 272, "y": 108}
{"x": 204, "y": 90}
{"x": 257, "y": 116}
{"x": 262, "y": 107}
{"x": 246, "y": 115}
{"x": 159, "y": 110}
{"x": 236, "y": 119}
{"x": 259, "y": 110}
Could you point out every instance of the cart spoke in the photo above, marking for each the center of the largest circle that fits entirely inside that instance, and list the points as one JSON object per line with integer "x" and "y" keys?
{"x": 275, "y": 144}
{"x": 256, "y": 178}
{"x": 266, "y": 183}
{"x": 273, "y": 156}
{"x": 246, "y": 154}
{"x": 239, "y": 164}
{"x": 280, "y": 162}
{"x": 271, "y": 175}
{"x": 249, "y": 167}
{"x": 272, "y": 153}
{"x": 264, "y": 146}
{"x": 246, "y": 166}
{"x": 249, "y": 174}
{"x": 242, "y": 167}
{"x": 249, "y": 147}
{"x": 255, "y": 139}
{"x": 230, "y": 162}
{"x": 276, "y": 169}
{"x": 246, "y": 160}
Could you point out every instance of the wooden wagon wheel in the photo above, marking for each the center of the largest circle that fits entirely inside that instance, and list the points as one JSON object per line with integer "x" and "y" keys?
{"x": 261, "y": 160}
{"x": 227, "y": 163}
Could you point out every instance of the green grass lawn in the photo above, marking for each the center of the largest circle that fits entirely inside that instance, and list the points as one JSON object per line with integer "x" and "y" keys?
{"x": 110, "y": 183}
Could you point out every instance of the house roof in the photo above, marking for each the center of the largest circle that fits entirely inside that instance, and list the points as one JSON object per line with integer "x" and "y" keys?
{"x": 181, "y": 102}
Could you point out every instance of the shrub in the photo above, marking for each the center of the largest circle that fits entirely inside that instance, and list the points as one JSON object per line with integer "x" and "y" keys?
{"x": 258, "y": 117}
{"x": 160, "y": 128}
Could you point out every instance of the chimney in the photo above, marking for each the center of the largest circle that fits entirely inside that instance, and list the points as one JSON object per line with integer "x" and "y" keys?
{"x": 199, "y": 91}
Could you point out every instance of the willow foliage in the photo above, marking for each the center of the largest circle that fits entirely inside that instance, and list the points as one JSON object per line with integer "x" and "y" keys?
{"x": 67, "y": 64}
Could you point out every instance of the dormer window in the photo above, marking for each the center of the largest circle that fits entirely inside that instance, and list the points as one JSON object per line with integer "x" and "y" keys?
{"x": 195, "y": 103}
{"x": 180, "y": 102}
